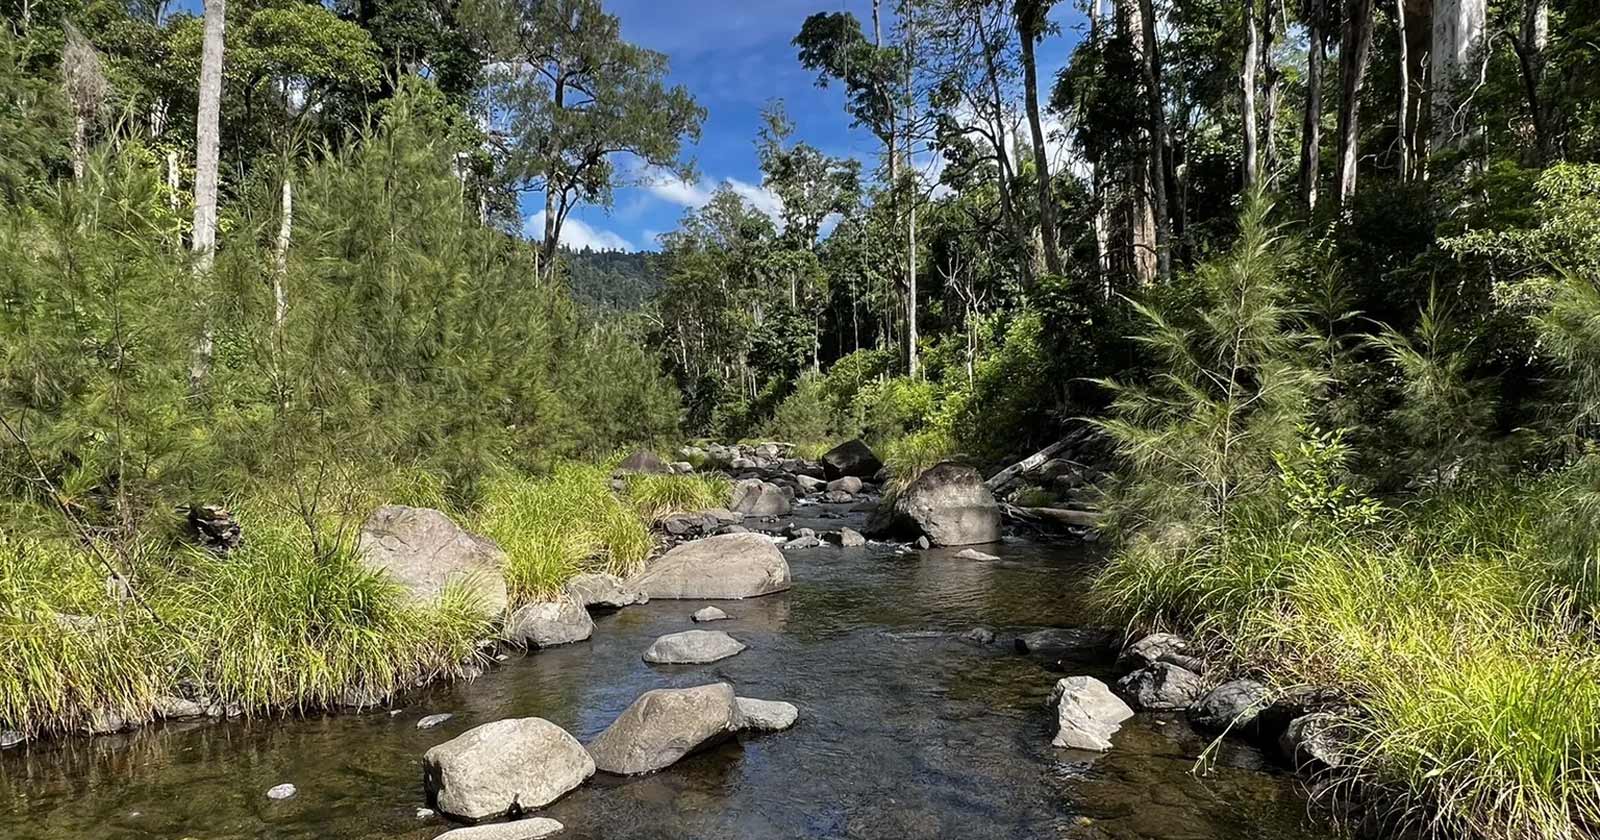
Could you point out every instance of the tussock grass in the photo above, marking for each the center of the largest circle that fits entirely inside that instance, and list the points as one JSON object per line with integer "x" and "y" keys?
{"x": 556, "y": 526}
{"x": 1475, "y": 679}
{"x": 659, "y": 496}
{"x": 911, "y": 455}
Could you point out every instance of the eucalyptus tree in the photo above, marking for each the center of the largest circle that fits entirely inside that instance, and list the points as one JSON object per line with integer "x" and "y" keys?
{"x": 570, "y": 96}
{"x": 1032, "y": 25}
{"x": 207, "y": 148}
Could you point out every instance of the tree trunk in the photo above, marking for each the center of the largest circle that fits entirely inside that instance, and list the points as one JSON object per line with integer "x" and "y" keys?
{"x": 280, "y": 262}
{"x": 207, "y": 117}
{"x": 1532, "y": 38}
{"x": 1137, "y": 215}
{"x": 1458, "y": 29}
{"x": 1274, "y": 90}
{"x": 1355, "y": 44}
{"x": 1030, "y": 23}
{"x": 1247, "y": 81}
{"x": 1404, "y": 112}
{"x": 1157, "y": 114}
{"x": 80, "y": 145}
{"x": 1311, "y": 125}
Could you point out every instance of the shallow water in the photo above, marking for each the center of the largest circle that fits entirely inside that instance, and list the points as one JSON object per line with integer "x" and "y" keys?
{"x": 905, "y": 732}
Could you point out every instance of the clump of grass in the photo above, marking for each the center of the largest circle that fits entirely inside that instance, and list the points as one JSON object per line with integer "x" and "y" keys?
{"x": 67, "y": 650}
{"x": 1474, "y": 683}
{"x": 911, "y": 455}
{"x": 555, "y": 526}
{"x": 814, "y": 450}
{"x": 659, "y": 496}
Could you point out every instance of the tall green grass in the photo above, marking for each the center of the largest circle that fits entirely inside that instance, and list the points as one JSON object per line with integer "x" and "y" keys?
{"x": 1475, "y": 679}
{"x": 659, "y": 496}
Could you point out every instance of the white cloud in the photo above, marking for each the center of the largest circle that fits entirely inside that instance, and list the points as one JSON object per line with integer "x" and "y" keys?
{"x": 761, "y": 198}
{"x": 577, "y": 234}
{"x": 670, "y": 188}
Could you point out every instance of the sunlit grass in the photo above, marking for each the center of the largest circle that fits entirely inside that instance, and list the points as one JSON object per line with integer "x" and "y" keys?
{"x": 912, "y": 455}
{"x": 659, "y": 496}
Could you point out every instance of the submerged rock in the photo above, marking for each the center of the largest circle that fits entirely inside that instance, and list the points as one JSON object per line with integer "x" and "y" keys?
{"x": 709, "y": 614}
{"x": 974, "y": 554}
{"x": 534, "y": 828}
{"x": 665, "y": 725}
{"x": 1077, "y": 643}
{"x": 766, "y": 715}
{"x": 11, "y": 738}
{"x": 279, "y": 792}
{"x": 1231, "y": 707}
{"x": 852, "y": 458}
{"x": 693, "y": 647}
{"x": 548, "y": 624}
{"x": 978, "y": 636}
{"x": 431, "y": 721}
{"x": 1087, "y": 713}
{"x": 597, "y": 590}
{"x": 727, "y": 566}
{"x": 423, "y": 551}
{"x": 1162, "y": 687}
{"x": 493, "y": 769}
{"x": 948, "y": 504}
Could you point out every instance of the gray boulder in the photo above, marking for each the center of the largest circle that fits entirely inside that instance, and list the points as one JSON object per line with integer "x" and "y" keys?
{"x": 1318, "y": 740}
{"x": 851, "y": 538}
{"x": 766, "y": 715}
{"x": 708, "y": 614}
{"x": 852, "y": 457}
{"x": 1233, "y": 707}
{"x": 1149, "y": 650}
{"x": 755, "y": 497}
{"x": 596, "y": 590}
{"x": 644, "y": 461}
{"x": 693, "y": 647}
{"x": 665, "y": 725}
{"x": 1065, "y": 643}
{"x": 810, "y": 485}
{"x": 548, "y": 624}
{"x": 948, "y": 504}
{"x": 170, "y": 707}
{"x": 423, "y": 551}
{"x": 509, "y": 765}
{"x": 726, "y": 566}
{"x": 1087, "y": 713}
{"x": 848, "y": 484}
{"x": 535, "y": 828}
{"x": 1162, "y": 687}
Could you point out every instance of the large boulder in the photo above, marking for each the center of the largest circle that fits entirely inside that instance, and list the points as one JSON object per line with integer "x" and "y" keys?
{"x": 1233, "y": 707}
{"x": 948, "y": 504}
{"x": 727, "y": 566}
{"x": 600, "y": 591}
{"x": 1087, "y": 713}
{"x": 1071, "y": 643}
{"x": 665, "y": 725}
{"x": 693, "y": 647}
{"x": 1162, "y": 687}
{"x": 536, "y": 828}
{"x": 548, "y": 624}
{"x": 853, "y": 457}
{"x": 848, "y": 484}
{"x": 504, "y": 767}
{"x": 644, "y": 461}
{"x": 423, "y": 551}
{"x": 755, "y": 497}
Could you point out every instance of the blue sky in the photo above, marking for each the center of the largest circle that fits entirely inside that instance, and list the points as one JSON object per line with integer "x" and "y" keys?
{"x": 735, "y": 57}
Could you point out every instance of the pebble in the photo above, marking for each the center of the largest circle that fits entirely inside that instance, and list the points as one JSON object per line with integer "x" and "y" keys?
{"x": 281, "y": 791}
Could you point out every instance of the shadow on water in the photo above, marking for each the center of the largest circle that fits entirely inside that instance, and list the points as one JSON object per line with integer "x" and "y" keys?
{"x": 905, "y": 732}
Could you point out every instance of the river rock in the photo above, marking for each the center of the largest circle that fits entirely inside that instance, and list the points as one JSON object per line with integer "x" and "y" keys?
{"x": 172, "y": 707}
{"x": 509, "y": 765}
{"x": 709, "y": 614}
{"x": 837, "y": 497}
{"x": 810, "y": 485}
{"x": 979, "y": 636}
{"x": 1087, "y": 713}
{"x": 430, "y": 721}
{"x": 11, "y": 738}
{"x": 1150, "y": 649}
{"x": 802, "y": 542}
{"x": 948, "y": 504}
{"x": 665, "y": 725}
{"x": 766, "y": 715}
{"x": 848, "y": 484}
{"x": 423, "y": 551}
{"x": 851, "y": 538}
{"x": 974, "y": 554}
{"x": 548, "y": 624}
{"x": 1317, "y": 740}
{"x": 535, "y": 828}
{"x": 853, "y": 458}
{"x": 1162, "y": 687}
{"x": 755, "y": 497}
{"x": 693, "y": 647}
{"x": 644, "y": 461}
{"x": 1077, "y": 643}
{"x": 727, "y": 566}
{"x": 597, "y": 590}
{"x": 1233, "y": 707}
{"x": 280, "y": 792}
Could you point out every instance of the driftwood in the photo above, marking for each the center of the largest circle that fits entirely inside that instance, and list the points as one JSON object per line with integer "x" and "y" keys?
{"x": 1061, "y": 517}
{"x": 1004, "y": 478}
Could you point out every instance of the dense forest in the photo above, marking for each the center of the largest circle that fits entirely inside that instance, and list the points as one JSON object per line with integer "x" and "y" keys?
{"x": 1322, "y": 277}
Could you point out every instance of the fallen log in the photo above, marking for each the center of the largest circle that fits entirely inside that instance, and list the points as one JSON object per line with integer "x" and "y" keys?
{"x": 1062, "y": 517}
{"x": 1004, "y": 478}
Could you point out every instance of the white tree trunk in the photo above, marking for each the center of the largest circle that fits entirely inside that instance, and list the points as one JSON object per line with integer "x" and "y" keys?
{"x": 280, "y": 273}
{"x": 206, "y": 152}
{"x": 1458, "y": 30}
{"x": 1247, "y": 81}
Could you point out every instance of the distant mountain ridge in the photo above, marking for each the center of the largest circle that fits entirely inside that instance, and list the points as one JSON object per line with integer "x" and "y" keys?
{"x": 613, "y": 280}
